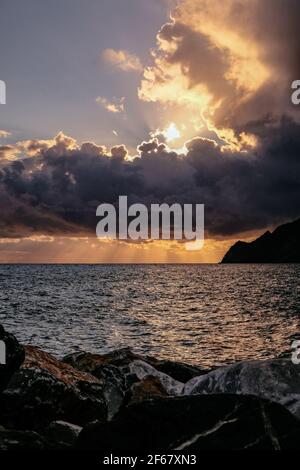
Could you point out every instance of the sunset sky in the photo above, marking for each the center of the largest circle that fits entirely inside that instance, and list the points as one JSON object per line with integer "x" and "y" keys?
{"x": 183, "y": 101}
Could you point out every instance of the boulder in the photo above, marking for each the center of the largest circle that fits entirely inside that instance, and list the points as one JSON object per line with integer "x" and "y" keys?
{"x": 62, "y": 435}
{"x": 179, "y": 370}
{"x": 148, "y": 387}
{"x": 13, "y": 355}
{"x": 111, "y": 370}
{"x": 275, "y": 379}
{"x": 191, "y": 424}
{"x": 122, "y": 358}
{"x": 22, "y": 440}
{"x": 89, "y": 362}
{"x": 121, "y": 369}
{"x": 115, "y": 386}
{"x": 142, "y": 370}
{"x": 45, "y": 390}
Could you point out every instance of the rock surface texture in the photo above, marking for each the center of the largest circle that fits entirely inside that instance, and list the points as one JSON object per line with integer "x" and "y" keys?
{"x": 277, "y": 380}
{"x": 195, "y": 423}
{"x": 44, "y": 390}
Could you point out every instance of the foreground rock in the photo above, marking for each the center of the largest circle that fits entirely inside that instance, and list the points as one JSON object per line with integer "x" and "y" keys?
{"x": 197, "y": 423}
{"x": 122, "y": 358}
{"x": 143, "y": 370}
{"x": 62, "y": 435}
{"x": 277, "y": 380}
{"x": 13, "y": 354}
{"x": 178, "y": 370}
{"x": 111, "y": 370}
{"x": 149, "y": 387}
{"x": 21, "y": 440}
{"x": 125, "y": 402}
{"x": 122, "y": 369}
{"x": 89, "y": 362}
{"x": 45, "y": 390}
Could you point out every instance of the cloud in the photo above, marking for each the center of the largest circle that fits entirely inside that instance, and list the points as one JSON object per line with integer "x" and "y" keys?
{"x": 4, "y": 134}
{"x": 119, "y": 152}
{"x": 123, "y": 60}
{"x": 57, "y": 190}
{"x": 230, "y": 65}
{"x": 8, "y": 152}
{"x": 116, "y": 106}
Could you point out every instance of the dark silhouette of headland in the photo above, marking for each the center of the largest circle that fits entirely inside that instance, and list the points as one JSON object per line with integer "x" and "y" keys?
{"x": 280, "y": 246}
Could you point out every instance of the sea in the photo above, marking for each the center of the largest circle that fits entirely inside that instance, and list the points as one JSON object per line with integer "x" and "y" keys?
{"x": 208, "y": 315}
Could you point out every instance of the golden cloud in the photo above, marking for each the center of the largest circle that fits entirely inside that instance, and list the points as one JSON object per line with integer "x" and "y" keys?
{"x": 4, "y": 134}
{"x": 123, "y": 60}
{"x": 228, "y": 65}
{"x": 116, "y": 106}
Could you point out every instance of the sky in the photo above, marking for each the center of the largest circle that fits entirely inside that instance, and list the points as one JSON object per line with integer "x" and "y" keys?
{"x": 163, "y": 101}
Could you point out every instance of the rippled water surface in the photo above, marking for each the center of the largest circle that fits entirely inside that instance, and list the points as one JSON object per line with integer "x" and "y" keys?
{"x": 204, "y": 314}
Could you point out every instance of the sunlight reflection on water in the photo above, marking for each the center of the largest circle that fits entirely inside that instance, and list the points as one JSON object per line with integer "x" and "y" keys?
{"x": 204, "y": 314}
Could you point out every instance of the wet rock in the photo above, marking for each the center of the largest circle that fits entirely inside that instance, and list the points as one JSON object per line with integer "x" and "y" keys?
{"x": 21, "y": 440}
{"x": 89, "y": 362}
{"x": 149, "y": 387}
{"x": 276, "y": 379}
{"x": 62, "y": 435}
{"x": 12, "y": 353}
{"x": 196, "y": 423}
{"x": 115, "y": 386}
{"x": 104, "y": 367}
{"x": 142, "y": 370}
{"x": 179, "y": 370}
{"x": 45, "y": 390}
{"x": 122, "y": 358}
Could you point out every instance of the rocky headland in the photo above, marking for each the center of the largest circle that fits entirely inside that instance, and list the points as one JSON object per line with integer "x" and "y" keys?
{"x": 280, "y": 246}
{"x": 124, "y": 402}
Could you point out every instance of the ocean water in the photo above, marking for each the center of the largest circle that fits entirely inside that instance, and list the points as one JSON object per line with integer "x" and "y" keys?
{"x": 201, "y": 314}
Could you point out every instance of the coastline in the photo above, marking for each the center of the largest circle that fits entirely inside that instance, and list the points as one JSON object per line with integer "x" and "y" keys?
{"x": 122, "y": 401}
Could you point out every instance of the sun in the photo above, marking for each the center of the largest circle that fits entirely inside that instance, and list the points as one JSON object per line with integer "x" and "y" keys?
{"x": 171, "y": 133}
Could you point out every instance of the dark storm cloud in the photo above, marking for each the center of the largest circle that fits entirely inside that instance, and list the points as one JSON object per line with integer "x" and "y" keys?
{"x": 58, "y": 190}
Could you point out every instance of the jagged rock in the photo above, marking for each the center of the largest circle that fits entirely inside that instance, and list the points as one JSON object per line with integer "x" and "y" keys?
{"x": 122, "y": 358}
{"x": 275, "y": 379}
{"x": 115, "y": 386}
{"x": 148, "y": 387}
{"x": 120, "y": 370}
{"x": 88, "y": 362}
{"x": 110, "y": 369}
{"x": 195, "y": 423}
{"x": 14, "y": 356}
{"x": 179, "y": 370}
{"x": 45, "y": 390}
{"x": 62, "y": 434}
{"x": 142, "y": 370}
{"x": 21, "y": 440}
